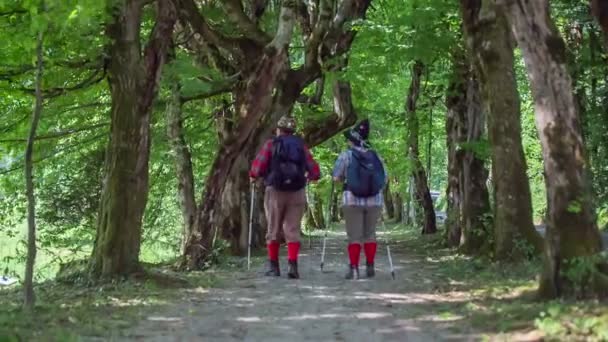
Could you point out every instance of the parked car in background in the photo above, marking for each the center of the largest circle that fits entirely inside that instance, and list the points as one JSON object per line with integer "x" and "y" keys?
{"x": 440, "y": 216}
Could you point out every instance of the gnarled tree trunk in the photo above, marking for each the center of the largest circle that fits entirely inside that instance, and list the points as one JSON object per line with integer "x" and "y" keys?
{"x": 490, "y": 45}
{"x": 388, "y": 202}
{"x": 133, "y": 78}
{"x": 269, "y": 88}
{"x": 456, "y": 104}
{"x": 398, "y": 208}
{"x": 257, "y": 100}
{"x": 235, "y": 226}
{"x": 476, "y": 204}
{"x": 182, "y": 160}
{"x": 572, "y": 229}
{"x": 29, "y": 296}
{"x": 423, "y": 195}
{"x": 599, "y": 9}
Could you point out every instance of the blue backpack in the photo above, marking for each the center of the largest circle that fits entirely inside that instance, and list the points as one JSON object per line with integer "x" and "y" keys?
{"x": 365, "y": 175}
{"x": 288, "y": 164}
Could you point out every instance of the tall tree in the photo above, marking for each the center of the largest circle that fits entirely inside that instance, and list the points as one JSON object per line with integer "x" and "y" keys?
{"x": 422, "y": 193}
{"x": 29, "y": 296}
{"x": 468, "y": 199}
{"x": 599, "y": 9}
{"x": 490, "y": 44}
{"x": 572, "y": 229}
{"x": 182, "y": 159}
{"x": 268, "y": 88}
{"x": 133, "y": 77}
{"x": 476, "y": 204}
{"x": 456, "y": 105}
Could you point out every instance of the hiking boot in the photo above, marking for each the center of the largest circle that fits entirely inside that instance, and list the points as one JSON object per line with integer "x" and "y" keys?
{"x": 273, "y": 269}
{"x": 292, "y": 270}
{"x": 370, "y": 272}
{"x": 353, "y": 272}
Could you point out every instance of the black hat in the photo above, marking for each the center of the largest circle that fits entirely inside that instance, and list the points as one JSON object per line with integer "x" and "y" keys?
{"x": 359, "y": 133}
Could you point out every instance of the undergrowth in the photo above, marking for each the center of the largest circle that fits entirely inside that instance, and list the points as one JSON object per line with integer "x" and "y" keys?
{"x": 69, "y": 311}
{"x": 500, "y": 299}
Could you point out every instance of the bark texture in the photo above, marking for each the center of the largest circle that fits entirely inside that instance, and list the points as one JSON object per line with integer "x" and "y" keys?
{"x": 599, "y": 9}
{"x": 572, "y": 229}
{"x": 476, "y": 204}
{"x": 468, "y": 199}
{"x": 182, "y": 160}
{"x": 388, "y": 201}
{"x": 399, "y": 215}
{"x": 267, "y": 89}
{"x": 490, "y": 44}
{"x": 133, "y": 77}
{"x": 422, "y": 194}
{"x": 28, "y": 286}
{"x": 456, "y": 104}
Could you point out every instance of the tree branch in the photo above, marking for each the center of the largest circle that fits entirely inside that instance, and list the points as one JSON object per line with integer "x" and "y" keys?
{"x": 218, "y": 88}
{"x": 94, "y": 78}
{"x": 16, "y": 70}
{"x": 235, "y": 13}
{"x": 56, "y": 152}
{"x": 287, "y": 20}
{"x": 15, "y": 11}
{"x": 155, "y": 52}
{"x": 57, "y": 135}
{"x": 344, "y": 116}
{"x": 190, "y": 14}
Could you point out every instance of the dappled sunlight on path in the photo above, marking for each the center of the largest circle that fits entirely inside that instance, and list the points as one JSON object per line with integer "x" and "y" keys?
{"x": 322, "y": 306}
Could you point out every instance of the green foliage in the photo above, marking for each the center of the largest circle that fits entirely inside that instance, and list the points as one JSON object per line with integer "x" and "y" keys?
{"x": 580, "y": 271}
{"x": 481, "y": 149}
{"x": 498, "y": 298}
{"x": 570, "y": 321}
{"x": 69, "y": 312}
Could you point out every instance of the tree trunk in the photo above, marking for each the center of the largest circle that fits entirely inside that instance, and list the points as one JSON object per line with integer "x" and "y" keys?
{"x": 490, "y": 45}
{"x": 29, "y": 295}
{"x": 388, "y": 201}
{"x": 232, "y": 219}
{"x": 133, "y": 81}
{"x": 314, "y": 211}
{"x": 423, "y": 195}
{"x": 255, "y": 101}
{"x": 572, "y": 229}
{"x": 409, "y": 212}
{"x": 476, "y": 204}
{"x": 182, "y": 160}
{"x": 456, "y": 104}
{"x": 599, "y": 9}
{"x": 258, "y": 101}
{"x": 398, "y": 207}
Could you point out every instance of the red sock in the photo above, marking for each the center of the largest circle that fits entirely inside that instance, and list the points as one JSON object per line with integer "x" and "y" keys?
{"x": 354, "y": 250}
{"x": 370, "y": 251}
{"x": 273, "y": 250}
{"x": 293, "y": 248}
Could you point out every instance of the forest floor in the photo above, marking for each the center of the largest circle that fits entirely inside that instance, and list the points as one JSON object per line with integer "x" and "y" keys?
{"x": 437, "y": 296}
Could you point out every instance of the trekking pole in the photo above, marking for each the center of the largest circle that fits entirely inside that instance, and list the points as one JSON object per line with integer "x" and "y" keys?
{"x": 327, "y": 221}
{"x": 250, "y": 225}
{"x": 309, "y": 215}
{"x": 388, "y": 250}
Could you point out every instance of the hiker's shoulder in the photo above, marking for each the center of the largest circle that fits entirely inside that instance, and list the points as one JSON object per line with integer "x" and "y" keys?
{"x": 345, "y": 155}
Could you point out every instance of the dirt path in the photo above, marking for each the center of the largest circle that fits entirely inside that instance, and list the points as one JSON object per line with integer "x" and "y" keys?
{"x": 318, "y": 307}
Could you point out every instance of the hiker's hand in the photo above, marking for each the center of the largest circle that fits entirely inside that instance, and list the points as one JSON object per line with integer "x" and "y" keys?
{"x": 252, "y": 180}
{"x": 337, "y": 179}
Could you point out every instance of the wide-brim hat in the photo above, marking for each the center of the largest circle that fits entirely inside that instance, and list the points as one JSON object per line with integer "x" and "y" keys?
{"x": 359, "y": 133}
{"x": 287, "y": 123}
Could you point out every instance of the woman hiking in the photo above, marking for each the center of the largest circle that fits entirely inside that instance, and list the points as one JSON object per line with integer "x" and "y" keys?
{"x": 286, "y": 165}
{"x": 364, "y": 177}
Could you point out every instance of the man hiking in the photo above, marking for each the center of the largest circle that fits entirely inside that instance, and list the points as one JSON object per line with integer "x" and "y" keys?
{"x": 364, "y": 175}
{"x": 286, "y": 165}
